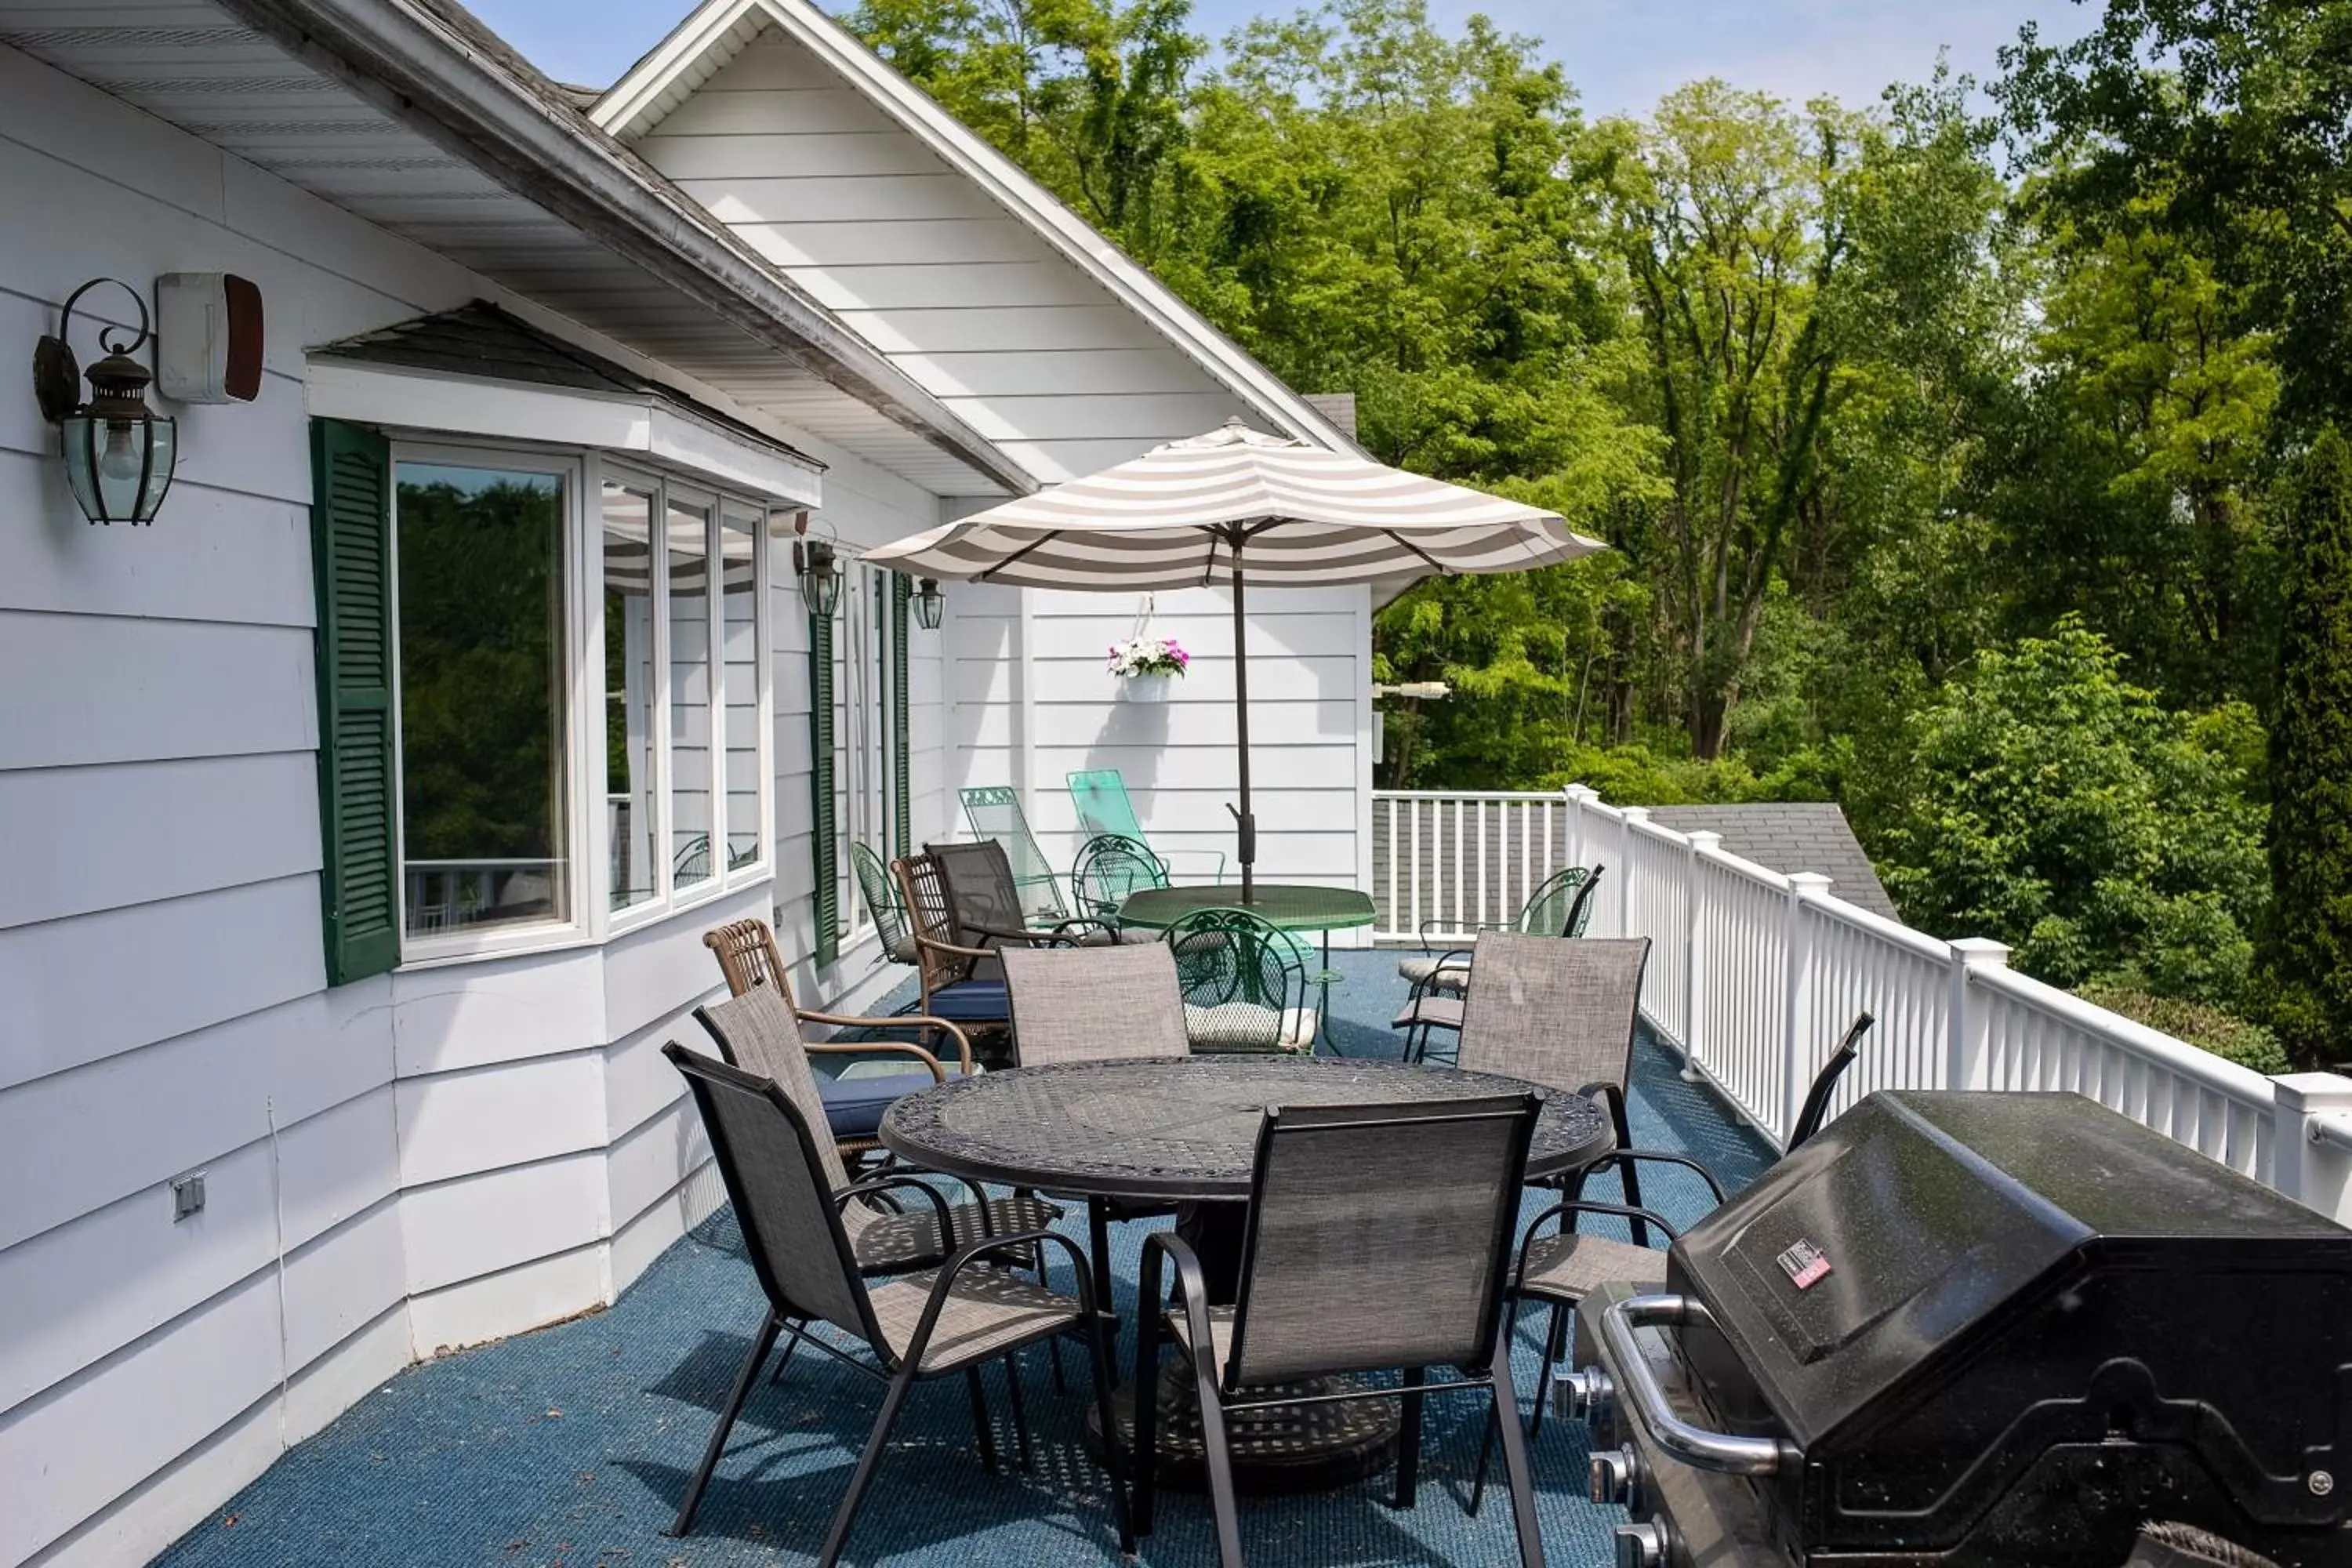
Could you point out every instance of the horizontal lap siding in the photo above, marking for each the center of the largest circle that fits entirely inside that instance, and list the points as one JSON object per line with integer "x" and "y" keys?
{"x": 162, "y": 1008}
{"x": 927, "y": 268}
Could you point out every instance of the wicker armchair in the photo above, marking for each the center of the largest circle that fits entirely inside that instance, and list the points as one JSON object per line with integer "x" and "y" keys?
{"x": 747, "y": 956}
{"x": 924, "y": 1325}
{"x": 1339, "y": 1277}
{"x": 1562, "y": 905}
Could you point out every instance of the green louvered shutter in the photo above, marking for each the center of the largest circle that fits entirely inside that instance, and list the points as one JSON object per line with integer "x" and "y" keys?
{"x": 824, "y": 853}
{"x": 350, "y": 550}
{"x": 902, "y": 805}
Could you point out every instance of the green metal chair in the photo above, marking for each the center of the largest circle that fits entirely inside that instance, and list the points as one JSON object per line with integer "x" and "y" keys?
{"x": 882, "y": 905}
{"x": 1246, "y": 985}
{"x": 994, "y": 812}
{"x": 1562, "y": 905}
{"x": 1110, "y": 868}
{"x": 1104, "y": 807}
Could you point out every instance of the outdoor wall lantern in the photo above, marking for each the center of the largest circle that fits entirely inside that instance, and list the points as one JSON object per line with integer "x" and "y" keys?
{"x": 819, "y": 570}
{"x": 928, "y": 602}
{"x": 118, "y": 452}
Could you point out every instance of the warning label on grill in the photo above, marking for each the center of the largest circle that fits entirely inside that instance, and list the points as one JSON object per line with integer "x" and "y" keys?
{"x": 1805, "y": 1265}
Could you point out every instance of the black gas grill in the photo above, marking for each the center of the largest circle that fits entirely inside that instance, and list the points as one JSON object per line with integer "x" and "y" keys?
{"x": 1999, "y": 1329}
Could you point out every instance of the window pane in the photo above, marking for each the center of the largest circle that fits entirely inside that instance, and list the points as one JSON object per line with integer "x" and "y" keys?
{"x": 691, "y": 860}
{"x": 630, "y": 801}
{"x": 738, "y": 542}
{"x": 481, "y": 698}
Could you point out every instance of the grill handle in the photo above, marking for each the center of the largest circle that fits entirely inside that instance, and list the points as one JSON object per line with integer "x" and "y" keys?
{"x": 1637, "y": 1385}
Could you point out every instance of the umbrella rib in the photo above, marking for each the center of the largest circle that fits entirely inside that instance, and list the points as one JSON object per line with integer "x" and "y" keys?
{"x": 1014, "y": 559}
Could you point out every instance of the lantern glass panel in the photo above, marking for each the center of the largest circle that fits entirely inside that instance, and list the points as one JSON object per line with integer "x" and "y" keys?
{"x": 119, "y": 468}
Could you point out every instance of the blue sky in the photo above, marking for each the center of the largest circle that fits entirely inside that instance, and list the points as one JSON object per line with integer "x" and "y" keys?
{"x": 1622, "y": 54}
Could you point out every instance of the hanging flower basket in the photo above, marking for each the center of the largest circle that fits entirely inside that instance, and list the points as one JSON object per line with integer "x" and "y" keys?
{"x": 1147, "y": 666}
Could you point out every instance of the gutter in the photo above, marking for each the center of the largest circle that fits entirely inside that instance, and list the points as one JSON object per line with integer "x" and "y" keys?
{"x": 468, "y": 93}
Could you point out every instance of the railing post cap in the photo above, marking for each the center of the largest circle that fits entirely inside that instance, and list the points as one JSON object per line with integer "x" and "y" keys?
{"x": 1635, "y": 813}
{"x": 1580, "y": 793}
{"x": 1705, "y": 838}
{"x": 1981, "y": 953}
{"x": 2313, "y": 1092}
{"x": 1812, "y": 884}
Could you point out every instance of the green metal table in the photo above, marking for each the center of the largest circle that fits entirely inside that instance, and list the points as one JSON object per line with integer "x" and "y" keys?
{"x": 1292, "y": 907}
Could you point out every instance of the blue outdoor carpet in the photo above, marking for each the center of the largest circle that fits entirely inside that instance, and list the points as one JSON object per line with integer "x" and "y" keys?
{"x": 573, "y": 1445}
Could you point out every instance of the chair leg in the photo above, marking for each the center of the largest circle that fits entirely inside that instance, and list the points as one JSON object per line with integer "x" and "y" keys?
{"x": 1098, "y": 1249}
{"x": 761, "y": 1343}
{"x": 786, "y": 1360}
{"x": 1146, "y": 1390}
{"x": 1020, "y": 1412}
{"x": 1408, "y": 1460}
{"x": 1515, "y": 1461}
{"x": 1220, "y": 1464}
{"x": 1099, "y": 1356}
{"x": 1555, "y": 1341}
{"x": 979, "y": 1425}
{"x": 1053, "y": 1345}
{"x": 1493, "y": 1417}
{"x": 868, "y": 1461}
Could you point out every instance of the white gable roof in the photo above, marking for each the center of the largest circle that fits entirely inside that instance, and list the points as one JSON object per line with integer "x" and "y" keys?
{"x": 932, "y": 246}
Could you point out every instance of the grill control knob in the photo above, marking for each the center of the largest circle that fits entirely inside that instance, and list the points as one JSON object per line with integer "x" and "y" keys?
{"x": 1642, "y": 1545}
{"x": 1582, "y": 1395}
{"x": 1614, "y": 1473}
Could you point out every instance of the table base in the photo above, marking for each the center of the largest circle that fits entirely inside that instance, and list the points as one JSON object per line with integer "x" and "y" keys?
{"x": 1291, "y": 1448}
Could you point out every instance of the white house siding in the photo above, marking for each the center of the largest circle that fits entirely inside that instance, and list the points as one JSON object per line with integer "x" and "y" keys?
{"x": 1034, "y": 703}
{"x": 971, "y": 303}
{"x": 430, "y": 1158}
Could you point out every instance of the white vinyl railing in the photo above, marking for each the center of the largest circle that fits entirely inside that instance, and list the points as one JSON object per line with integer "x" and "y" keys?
{"x": 1754, "y": 973}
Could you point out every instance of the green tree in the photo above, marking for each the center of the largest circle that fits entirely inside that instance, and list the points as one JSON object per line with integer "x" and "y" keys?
{"x": 2044, "y": 801}
{"x": 2305, "y": 957}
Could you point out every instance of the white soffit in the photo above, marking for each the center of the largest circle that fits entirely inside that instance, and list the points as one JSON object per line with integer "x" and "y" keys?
{"x": 323, "y": 124}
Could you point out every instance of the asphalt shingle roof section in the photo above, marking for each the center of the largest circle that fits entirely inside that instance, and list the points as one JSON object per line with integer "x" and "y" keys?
{"x": 1800, "y": 836}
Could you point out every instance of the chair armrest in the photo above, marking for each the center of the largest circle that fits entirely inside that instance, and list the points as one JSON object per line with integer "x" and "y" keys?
{"x": 1190, "y": 1284}
{"x": 897, "y": 1181}
{"x": 1663, "y": 1158}
{"x": 936, "y": 946}
{"x": 965, "y": 1256}
{"x": 1435, "y": 927}
{"x": 897, "y": 1021}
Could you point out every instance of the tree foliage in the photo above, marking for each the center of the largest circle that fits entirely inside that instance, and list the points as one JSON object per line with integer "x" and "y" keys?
{"x": 1943, "y": 487}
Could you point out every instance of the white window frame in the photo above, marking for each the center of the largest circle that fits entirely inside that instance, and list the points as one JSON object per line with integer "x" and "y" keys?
{"x": 591, "y": 918}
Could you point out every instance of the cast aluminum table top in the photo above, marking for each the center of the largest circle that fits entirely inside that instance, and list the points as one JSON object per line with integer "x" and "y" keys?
{"x": 1181, "y": 1128}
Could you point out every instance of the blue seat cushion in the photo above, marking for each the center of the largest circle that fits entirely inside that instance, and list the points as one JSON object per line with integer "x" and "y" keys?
{"x": 975, "y": 1001}
{"x": 854, "y": 1106}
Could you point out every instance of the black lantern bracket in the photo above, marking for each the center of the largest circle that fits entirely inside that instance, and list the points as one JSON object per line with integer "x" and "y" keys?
{"x": 56, "y": 374}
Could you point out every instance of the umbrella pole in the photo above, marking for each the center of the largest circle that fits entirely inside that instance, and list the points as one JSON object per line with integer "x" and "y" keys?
{"x": 1245, "y": 818}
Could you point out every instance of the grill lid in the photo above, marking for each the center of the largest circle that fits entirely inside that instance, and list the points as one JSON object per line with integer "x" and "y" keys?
{"x": 1882, "y": 1246}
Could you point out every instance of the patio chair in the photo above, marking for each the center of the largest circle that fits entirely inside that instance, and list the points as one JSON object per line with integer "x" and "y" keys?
{"x": 1440, "y": 978}
{"x": 758, "y": 1032}
{"x": 1562, "y": 905}
{"x": 1109, "y": 869}
{"x": 995, "y": 813}
{"x": 988, "y": 902}
{"x": 1340, "y": 1276}
{"x": 1816, "y": 1110}
{"x": 853, "y": 1105}
{"x": 1104, "y": 807}
{"x": 882, "y": 905}
{"x": 1245, "y": 983}
{"x": 919, "y": 1326}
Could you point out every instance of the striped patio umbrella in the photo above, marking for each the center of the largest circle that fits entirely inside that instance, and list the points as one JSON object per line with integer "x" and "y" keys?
{"x": 1237, "y": 503}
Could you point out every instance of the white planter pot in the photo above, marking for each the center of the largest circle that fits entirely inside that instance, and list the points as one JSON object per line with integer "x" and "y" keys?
{"x": 1146, "y": 688}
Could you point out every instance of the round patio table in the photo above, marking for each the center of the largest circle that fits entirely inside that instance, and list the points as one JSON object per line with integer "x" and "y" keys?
{"x": 1289, "y": 906}
{"x": 1183, "y": 1131}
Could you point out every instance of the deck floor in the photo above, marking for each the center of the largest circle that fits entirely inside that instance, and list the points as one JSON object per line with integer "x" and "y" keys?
{"x": 570, "y": 1445}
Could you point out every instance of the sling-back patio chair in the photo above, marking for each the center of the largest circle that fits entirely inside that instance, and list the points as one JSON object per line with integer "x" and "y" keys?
{"x": 918, "y": 1326}
{"x": 1562, "y": 905}
{"x": 987, "y": 900}
{"x": 853, "y": 1105}
{"x": 758, "y": 1032}
{"x": 1110, "y": 869}
{"x": 1247, "y": 986}
{"x": 1090, "y": 1004}
{"x": 1104, "y": 806}
{"x": 995, "y": 813}
{"x": 1440, "y": 979}
{"x": 1339, "y": 1277}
